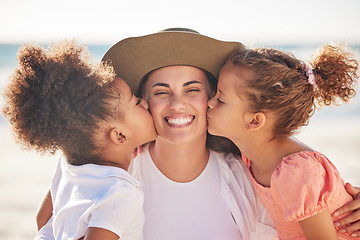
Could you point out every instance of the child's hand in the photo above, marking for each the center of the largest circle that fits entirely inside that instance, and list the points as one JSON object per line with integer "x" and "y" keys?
{"x": 350, "y": 223}
{"x": 137, "y": 150}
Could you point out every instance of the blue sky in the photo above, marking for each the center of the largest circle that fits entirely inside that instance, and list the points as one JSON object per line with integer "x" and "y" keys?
{"x": 251, "y": 22}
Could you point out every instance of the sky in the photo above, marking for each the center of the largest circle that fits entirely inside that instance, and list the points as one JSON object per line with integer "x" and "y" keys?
{"x": 252, "y": 22}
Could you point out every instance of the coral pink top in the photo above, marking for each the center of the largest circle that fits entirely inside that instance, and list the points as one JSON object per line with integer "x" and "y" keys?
{"x": 303, "y": 185}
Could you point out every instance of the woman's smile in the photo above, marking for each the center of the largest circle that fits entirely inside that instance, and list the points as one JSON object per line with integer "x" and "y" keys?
{"x": 179, "y": 121}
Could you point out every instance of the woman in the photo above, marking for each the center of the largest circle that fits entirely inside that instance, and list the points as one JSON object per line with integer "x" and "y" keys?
{"x": 190, "y": 191}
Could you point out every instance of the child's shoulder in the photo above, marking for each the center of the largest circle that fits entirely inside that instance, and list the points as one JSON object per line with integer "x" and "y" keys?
{"x": 307, "y": 180}
{"x": 305, "y": 157}
{"x": 304, "y": 166}
{"x": 303, "y": 160}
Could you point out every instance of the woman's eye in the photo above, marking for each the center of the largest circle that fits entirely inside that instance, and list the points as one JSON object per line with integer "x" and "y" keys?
{"x": 160, "y": 93}
{"x": 193, "y": 90}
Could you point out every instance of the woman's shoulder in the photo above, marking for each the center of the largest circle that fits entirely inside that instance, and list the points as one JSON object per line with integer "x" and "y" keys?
{"x": 225, "y": 157}
{"x": 229, "y": 162}
{"x": 232, "y": 168}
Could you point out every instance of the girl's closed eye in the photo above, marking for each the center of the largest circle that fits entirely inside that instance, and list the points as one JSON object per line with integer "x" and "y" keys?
{"x": 219, "y": 101}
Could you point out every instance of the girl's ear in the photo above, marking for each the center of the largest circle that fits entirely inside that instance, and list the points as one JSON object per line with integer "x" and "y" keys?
{"x": 255, "y": 121}
{"x": 117, "y": 137}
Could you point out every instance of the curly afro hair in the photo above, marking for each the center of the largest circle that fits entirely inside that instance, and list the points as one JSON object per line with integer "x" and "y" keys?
{"x": 56, "y": 100}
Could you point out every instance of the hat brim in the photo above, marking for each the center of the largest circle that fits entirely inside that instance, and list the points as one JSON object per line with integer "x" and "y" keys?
{"x": 132, "y": 58}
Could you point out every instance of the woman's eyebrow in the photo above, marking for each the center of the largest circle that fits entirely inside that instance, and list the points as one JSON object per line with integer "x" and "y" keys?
{"x": 191, "y": 82}
{"x": 161, "y": 85}
{"x": 168, "y": 86}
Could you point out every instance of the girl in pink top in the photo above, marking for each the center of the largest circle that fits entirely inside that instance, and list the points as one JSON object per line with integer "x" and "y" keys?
{"x": 263, "y": 97}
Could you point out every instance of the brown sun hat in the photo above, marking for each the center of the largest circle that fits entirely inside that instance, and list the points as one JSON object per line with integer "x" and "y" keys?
{"x": 132, "y": 58}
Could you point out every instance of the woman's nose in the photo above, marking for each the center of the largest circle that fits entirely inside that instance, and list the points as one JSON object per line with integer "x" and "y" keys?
{"x": 177, "y": 103}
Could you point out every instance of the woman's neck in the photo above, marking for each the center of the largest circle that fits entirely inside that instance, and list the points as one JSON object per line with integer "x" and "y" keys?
{"x": 180, "y": 162}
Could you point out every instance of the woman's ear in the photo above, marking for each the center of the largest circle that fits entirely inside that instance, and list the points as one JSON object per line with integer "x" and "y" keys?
{"x": 255, "y": 121}
{"x": 116, "y": 136}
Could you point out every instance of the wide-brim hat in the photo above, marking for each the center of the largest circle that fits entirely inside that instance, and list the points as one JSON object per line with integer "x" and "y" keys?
{"x": 132, "y": 58}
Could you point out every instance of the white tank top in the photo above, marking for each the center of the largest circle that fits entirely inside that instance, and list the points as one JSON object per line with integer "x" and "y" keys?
{"x": 193, "y": 210}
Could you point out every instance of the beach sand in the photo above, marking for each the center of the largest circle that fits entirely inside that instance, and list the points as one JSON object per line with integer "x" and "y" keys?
{"x": 25, "y": 176}
{"x": 24, "y": 180}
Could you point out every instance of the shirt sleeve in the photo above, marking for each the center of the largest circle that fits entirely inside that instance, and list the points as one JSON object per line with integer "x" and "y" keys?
{"x": 120, "y": 210}
{"x": 304, "y": 185}
{"x": 46, "y": 232}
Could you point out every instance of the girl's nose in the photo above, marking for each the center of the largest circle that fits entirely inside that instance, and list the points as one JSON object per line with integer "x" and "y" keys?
{"x": 211, "y": 102}
{"x": 144, "y": 103}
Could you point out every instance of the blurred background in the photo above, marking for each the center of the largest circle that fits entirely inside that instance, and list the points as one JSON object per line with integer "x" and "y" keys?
{"x": 295, "y": 26}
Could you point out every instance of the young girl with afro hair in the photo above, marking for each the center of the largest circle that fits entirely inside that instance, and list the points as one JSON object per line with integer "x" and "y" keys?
{"x": 58, "y": 100}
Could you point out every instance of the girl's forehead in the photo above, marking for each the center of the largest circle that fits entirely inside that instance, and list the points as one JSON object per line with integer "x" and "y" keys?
{"x": 123, "y": 90}
{"x": 122, "y": 85}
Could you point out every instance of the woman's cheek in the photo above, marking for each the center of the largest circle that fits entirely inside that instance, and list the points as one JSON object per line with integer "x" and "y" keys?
{"x": 153, "y": 105}
{"x": 204, "y": 101}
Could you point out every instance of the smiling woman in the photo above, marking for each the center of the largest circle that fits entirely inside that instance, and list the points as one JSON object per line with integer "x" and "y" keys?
{"x": 177, "y": 99}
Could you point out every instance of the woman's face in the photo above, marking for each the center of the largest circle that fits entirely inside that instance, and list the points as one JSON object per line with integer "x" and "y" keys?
{"x": 177, "y": 97}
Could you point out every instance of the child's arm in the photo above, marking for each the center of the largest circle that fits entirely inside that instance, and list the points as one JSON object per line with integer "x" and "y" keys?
{"x": 94, "y": 233}
{"x": 45, "y": 211}
{"x": 319, "y": 226}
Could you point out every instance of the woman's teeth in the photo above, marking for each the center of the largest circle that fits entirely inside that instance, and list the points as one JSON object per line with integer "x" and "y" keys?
{"x": 180, "y": 121}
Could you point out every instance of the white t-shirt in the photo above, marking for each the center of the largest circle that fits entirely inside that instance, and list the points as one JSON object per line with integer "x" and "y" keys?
{"x": 219, "y": 204}
{"x": 95, "y": 196}
{"x": 192, "y": 210}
